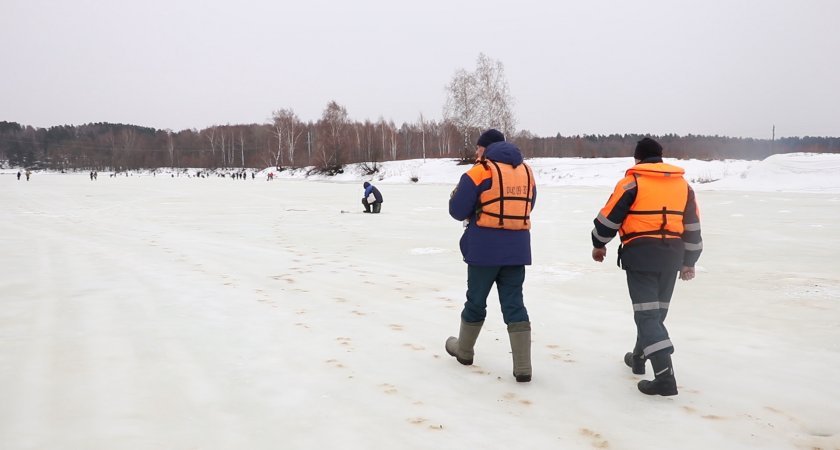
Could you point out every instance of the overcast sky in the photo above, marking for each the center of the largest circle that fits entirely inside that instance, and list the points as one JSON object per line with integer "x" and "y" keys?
{"x": 722, "y": 67}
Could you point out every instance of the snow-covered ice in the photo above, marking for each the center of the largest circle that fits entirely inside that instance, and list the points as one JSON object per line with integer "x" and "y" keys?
{"x": 147, "y": 312}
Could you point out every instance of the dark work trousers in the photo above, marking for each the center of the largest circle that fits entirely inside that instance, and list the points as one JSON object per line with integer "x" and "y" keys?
{"x": 377, "y": 206}
{"x": 508, "y": 279}
{"x": 651, "y": 296}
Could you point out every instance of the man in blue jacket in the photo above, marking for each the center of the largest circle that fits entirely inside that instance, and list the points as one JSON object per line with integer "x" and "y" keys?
{"x": 495, "y": 198}
{"x": 372, "y": 198}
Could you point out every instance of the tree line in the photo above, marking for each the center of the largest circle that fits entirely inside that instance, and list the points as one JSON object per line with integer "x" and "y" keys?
{"x": 332, "y": 142}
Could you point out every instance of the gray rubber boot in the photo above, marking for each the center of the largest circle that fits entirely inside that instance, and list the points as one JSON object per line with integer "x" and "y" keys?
{"x": 520, "y": 347}
{"x": 462, "y": 346}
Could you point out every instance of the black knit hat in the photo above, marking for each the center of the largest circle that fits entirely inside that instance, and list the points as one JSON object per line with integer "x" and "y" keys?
{"x": 646, "y": 148}
{"x": 490, "y": 136}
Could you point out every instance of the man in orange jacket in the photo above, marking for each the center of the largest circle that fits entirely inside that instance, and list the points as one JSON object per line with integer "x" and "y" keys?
{"x": 654, "y": 211}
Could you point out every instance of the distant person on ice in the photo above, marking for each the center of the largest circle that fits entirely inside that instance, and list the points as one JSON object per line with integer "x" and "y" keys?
{"x": 654, "y": 211}
{"x": 18, "y": 175}
{"x": 496, "y": 197}
{"x": 372, "y": 198}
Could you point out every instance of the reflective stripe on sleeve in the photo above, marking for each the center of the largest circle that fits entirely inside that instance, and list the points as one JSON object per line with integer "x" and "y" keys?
{"x": 605, "y": 240}
{"x": 607, "y": 222}
{"x": 693, "y": 247}
{"x": 692, "y": 226}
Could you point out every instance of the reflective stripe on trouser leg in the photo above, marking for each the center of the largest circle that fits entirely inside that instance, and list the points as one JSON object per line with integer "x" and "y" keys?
{"x": 650, "y": 308}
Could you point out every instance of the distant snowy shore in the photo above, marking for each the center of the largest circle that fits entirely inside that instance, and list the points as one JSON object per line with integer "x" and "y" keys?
{"x": 792, "y": 172}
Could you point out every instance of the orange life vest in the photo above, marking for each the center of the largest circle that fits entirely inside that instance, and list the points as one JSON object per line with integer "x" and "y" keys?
{"x": 507, "y": 204}
{"x": 661, "y": 196}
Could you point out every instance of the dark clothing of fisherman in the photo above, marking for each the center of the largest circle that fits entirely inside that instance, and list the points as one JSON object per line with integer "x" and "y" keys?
{"x": 372, "y": 199}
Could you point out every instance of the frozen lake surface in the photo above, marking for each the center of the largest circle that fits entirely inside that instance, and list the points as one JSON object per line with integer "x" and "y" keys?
{"x": 182, "y": 313}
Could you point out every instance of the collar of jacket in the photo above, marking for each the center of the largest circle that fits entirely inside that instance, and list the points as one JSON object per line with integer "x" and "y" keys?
{"x": 655, "y": 167}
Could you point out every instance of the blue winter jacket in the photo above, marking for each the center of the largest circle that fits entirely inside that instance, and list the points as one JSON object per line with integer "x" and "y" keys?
{"x": 482, "y": 246}
{"x": 376, "y": 194}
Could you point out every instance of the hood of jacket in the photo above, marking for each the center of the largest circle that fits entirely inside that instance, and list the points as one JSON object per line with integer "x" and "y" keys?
{"x": 504, "y": 152}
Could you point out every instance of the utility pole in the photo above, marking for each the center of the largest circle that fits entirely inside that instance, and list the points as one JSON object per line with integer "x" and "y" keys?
{"x": 772, "y": 139}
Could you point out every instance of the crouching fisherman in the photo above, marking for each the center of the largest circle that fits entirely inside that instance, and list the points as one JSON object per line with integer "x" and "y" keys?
{"x": 372, "y": 199}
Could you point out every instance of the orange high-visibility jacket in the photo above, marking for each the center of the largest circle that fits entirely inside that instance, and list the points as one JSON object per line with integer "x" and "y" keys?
{"x": 507, "y": 204}
{"x": 660, "y": 203}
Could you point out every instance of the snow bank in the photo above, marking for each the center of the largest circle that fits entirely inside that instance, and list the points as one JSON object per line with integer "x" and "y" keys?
{"x": 794, "y": 172}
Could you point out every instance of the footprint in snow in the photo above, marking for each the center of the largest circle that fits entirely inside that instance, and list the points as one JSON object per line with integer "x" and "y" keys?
{"x": 596, "y": 439}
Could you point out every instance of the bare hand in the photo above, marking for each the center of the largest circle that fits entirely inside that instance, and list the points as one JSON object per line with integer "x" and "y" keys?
{"x": 687, "y": 273}
{"x": 598, "y": 254}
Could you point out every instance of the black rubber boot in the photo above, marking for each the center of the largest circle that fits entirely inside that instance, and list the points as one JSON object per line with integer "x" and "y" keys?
{"x": 635, "y": 362}
{"x": 664, "y": 383}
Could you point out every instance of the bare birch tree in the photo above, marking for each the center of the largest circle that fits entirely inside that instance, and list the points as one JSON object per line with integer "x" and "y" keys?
{"x": 210, "y": 133}
{"x": 443, "y": 138}
{"x": 242, "y": 148}
{"x": 494, "y": 95}
{"x": 423, "y": 136}
{"x": 462, "y": 105}
{"x": 334, "y": 122}
{"x": 231, "y": 148}
{"x": 286, "y": 124}
{"x": 356, "y": 127}
{"x": 393, "y": 133}
{"x": 382, "y": 127}
{"x": 170, "y": 145}
{"x": 129, "y": 137}
{"x": 478, "y": 100}
{"x": 369, "y": 130}
{"x": 224, "y": 150}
